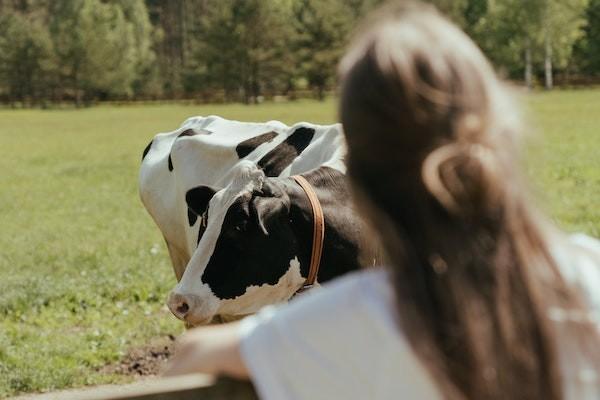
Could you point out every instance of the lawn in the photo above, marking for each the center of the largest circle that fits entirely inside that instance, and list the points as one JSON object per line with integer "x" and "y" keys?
{"x": 83, "y": 270}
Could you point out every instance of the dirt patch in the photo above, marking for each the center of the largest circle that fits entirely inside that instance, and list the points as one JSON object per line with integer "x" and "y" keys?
{"x": 148, "y": 360}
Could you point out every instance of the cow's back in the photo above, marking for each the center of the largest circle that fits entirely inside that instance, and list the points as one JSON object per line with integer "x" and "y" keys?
{"x": 204, "y": 151}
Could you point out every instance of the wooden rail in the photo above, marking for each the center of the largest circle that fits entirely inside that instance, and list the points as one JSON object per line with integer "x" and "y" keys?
{"x": 186, "y": 387}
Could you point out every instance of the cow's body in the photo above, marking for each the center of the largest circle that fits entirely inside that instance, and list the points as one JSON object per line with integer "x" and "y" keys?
{"x": 238, "y": 229}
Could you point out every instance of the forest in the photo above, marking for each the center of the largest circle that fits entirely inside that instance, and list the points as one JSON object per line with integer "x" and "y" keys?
{"x": 86, "y": 51}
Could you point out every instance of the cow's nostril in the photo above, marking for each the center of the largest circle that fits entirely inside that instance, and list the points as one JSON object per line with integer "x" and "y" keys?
{"x": 183, "y": 308}
{"x": 182, "y": 305}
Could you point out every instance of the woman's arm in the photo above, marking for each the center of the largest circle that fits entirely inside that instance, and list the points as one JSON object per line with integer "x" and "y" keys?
{"x": 210, "y": 350}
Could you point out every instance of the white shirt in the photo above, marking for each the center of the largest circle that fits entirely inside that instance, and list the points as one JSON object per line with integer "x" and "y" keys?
{"x": 344, "y": 342}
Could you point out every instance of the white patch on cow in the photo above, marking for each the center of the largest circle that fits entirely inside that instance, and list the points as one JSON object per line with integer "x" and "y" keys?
{"x": 255, "y": 297}
{"x": 327, "y": 148}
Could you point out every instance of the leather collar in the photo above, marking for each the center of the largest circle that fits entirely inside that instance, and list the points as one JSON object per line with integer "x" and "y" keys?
{"x": 318, "y": 232}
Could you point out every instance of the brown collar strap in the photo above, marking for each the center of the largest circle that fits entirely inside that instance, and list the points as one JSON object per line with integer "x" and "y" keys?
{"x": 318, "y": 231}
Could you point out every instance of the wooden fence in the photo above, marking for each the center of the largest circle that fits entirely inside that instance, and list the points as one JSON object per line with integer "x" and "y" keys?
{"x": 186, "y": 387}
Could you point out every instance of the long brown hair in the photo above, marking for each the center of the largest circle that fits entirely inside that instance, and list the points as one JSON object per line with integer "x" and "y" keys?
{"x": 433, "y": 158}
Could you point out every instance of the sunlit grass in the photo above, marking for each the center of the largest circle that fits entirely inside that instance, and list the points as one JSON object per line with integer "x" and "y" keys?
{"x": 83, "y": 270}
{"x": 565, "y": 157}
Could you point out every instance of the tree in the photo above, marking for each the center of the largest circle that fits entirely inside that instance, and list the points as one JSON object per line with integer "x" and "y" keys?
{"x": 509, "y": 34}
{"x": 453, "y": 9}
{"x": 473, "y": 12}
{"x": 516, "y": 35}
{"x": 26, "y": 57}
{"x": 96, "y": 47}
{"x": 587, "y": 49}
{"x": 246, "y": 49}
{"x": 241, "y": 48}
{"x": 562, "y": 26}
{"x": 322, "y": 30}
{"x": 169, "y": 38}
{"x": 146, "y": 81}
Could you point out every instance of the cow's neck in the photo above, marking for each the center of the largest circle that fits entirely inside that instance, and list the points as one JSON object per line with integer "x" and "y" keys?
{"x": 340, "y": 252}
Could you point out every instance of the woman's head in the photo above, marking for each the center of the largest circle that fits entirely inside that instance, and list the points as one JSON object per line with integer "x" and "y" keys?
{"x": 432, "y": 155}
{"x": 423, "y": 110}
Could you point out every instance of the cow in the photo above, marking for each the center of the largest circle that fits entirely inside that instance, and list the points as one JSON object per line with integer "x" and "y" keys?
{"x": 238, "y": 228}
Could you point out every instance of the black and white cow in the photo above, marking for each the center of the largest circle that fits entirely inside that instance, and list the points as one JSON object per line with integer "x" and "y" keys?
{"x": 238, "y": 228}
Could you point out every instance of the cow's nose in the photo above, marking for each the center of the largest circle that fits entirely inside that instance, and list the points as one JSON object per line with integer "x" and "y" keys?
{"x": 180, "y": 305}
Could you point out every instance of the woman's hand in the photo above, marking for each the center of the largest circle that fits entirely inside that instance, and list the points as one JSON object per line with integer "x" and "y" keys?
{"x": 210, "y": 350}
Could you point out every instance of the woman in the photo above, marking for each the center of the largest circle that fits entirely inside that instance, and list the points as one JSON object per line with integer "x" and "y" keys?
{"x": 482, "y": 298}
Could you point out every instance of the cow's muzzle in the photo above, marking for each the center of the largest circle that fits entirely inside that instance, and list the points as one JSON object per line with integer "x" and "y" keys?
{"x": 183, "y": 306}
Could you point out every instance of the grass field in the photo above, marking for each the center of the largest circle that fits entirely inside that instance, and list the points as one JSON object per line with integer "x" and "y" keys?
{"x": 83, "y": 270}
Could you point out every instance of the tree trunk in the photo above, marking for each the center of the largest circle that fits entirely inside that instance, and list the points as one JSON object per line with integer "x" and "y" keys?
{"x": 528, "y": 67}
{"x": 255, "y": 85}
{"x": 548, "y": 63}
{"x": 76, "y": 88}
{"x": 321, "y": 92}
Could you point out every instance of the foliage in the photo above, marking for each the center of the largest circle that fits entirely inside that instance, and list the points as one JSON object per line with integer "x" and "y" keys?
{"x": 563, "y": 25}
{"x": 94, "y": 45}
{"x": 244, "y": 50}
{"x": 26, "y": 57}
{"x": 454, "y": 9}
{"x": 507, "y": 30}
{"x": 587, "y": 50}
{"x": 322, "y": 29}
{"x": 146, "y": 80}
{"x": 242, "y": 47}
{"x": 528, "y": 37}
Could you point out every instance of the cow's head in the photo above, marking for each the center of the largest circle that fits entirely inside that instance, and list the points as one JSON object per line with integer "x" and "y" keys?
{"x": 247, "y": 249}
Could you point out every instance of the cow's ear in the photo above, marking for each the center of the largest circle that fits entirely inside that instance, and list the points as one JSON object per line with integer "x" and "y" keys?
{"x": 197, "y": 199}
{"x": 266, "y": 209}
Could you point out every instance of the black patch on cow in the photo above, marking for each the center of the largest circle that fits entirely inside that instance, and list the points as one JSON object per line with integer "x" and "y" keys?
{"x": 188, "y": 132}
{"x": 197, "y": 199}
{"x": 244, "y": 255}
{"x": 247, "y": 146}
{"x": 170, "y": 163}
{"x": 147, "y": 149}
{"x": 192, "y": 218}
{"x": 281, "y": 156}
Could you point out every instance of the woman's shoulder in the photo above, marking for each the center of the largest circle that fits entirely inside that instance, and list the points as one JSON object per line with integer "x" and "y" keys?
{"x": 353, "y": 300}
{"x": 579, "y": 263}
{"x": 344, "y": 337}
{"x": 364, "y": 296}
{"x": 588, "y": 246}
{"x": 372, "y": 282}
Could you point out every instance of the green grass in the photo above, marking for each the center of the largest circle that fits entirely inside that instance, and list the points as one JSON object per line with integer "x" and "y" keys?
{"x": 565, "y": 162}
{"x": 83, "y": 270}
